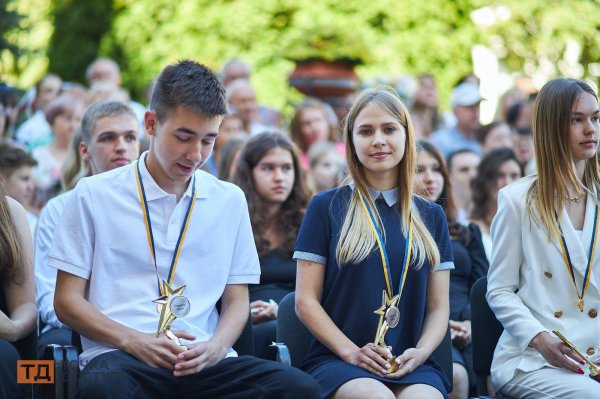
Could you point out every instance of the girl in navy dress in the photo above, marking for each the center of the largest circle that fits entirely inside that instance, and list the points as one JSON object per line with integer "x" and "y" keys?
{"x": 359, "y": 276}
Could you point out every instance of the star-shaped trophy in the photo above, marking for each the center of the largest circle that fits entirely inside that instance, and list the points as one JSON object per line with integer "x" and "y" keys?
{"x": 171, "y": 305}
{"x": 389, "y": 317}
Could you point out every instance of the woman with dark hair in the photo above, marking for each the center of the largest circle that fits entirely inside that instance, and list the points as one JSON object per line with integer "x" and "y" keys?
{"x": 496, "y": 170}
{"x": 432, "y": 182}
{"x": 17, "y": 296}
{"x": 269, "y": 173}
{"x": 543, "y": 278}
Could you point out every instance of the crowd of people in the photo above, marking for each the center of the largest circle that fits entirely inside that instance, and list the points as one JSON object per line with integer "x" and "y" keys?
{"x": 111, "y": 204}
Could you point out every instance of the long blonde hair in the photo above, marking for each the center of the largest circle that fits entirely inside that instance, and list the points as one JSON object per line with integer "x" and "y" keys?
{"x": 357, "y": 239}
{"x": 555, "y": 164}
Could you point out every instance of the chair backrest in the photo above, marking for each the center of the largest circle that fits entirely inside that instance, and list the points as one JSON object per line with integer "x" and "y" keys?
{"x": 485, "y": 331}
{"x": 442, "y": 355}
{"x": 291, "y": 331}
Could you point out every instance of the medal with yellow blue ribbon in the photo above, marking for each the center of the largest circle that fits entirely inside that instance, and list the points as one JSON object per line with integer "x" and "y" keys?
{"x": 389, "y": 314}
{"x": 590, "y": 264}
{"x": 171, "y": 304}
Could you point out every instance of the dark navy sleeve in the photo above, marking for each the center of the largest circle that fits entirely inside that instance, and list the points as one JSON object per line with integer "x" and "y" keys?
{"x": 442, "y": 238}
{"x": 314, "y": 235}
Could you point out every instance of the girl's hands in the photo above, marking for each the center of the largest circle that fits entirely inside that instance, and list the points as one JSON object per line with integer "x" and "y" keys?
{"x": 373, "y": 358}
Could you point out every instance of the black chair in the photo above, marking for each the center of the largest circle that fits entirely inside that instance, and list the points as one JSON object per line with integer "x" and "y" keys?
{"x": 293, "y": 339}
{"x": 485, "y": 332}
{"x": 66, "y": 362}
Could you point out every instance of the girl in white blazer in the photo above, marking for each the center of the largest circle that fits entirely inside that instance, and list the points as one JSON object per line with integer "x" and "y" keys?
{"x": 543, "y": 237}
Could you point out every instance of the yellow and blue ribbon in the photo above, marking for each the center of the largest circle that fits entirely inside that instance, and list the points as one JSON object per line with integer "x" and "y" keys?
{"x": 383, "y": 252}
{"x": 567, "y": 256}
{"x": 150, "y": 236}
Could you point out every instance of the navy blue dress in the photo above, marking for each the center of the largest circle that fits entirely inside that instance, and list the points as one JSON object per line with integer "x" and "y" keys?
{"x": 353, "y": 292}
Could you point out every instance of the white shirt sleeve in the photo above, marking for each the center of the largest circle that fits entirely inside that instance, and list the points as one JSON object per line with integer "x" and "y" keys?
{"x": 45, "y": 275}
{"x": 73, "y": 246}
{"x": 245, "y": 266}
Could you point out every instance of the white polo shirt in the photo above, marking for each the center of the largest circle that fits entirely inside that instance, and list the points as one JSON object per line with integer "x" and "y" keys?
{"x": 102, "y": 238}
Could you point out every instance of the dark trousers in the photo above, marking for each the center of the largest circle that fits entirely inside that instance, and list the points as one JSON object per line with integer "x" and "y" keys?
{"x": 117, "y": 374}
{"x": 8, "y": 371}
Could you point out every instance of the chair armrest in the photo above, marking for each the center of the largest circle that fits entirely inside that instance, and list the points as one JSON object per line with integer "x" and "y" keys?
{"x": 56, "y": 390}
{"x": 283, "y": 353}
{"x": 72, "y": 370}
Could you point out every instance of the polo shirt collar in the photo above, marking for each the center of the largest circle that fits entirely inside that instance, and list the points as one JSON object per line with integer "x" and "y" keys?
{"x": 389, "y": 196}
{"x": 154, "y": 191}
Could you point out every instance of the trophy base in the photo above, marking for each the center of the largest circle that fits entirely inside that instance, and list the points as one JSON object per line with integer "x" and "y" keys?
{"x": 394, "y": 366}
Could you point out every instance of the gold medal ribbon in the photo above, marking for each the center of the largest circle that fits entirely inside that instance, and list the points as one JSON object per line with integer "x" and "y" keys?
{"x": 569, "y": 264}
{"x": 148, "y": 223}
{"x": 383, "y": 252}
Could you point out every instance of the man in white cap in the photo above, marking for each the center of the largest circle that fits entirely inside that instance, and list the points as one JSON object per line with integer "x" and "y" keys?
{"x": 465, "y": 101}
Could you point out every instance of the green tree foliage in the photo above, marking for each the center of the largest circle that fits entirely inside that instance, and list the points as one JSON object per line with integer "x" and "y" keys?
{"x": 390, "y": 37}
{"x": 78, "y": 29}
{"x": 9, "y": 20}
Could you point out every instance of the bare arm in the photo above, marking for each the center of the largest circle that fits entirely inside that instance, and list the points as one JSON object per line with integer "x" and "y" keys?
{"x": 20, "y": 297}
{"x": 309, "y": 285}
{"x": 75, "y": 311}
{"x": 235, "y": 309}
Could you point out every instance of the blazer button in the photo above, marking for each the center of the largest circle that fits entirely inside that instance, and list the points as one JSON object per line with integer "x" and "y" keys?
{"x": 591, "y": 351}
{"x": 558, "y": 314}
{"x": 593, "y": 313}
{"x": 548, "y": 274}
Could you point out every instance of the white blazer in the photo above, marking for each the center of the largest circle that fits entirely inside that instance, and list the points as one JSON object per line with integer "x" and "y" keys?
{"x": 524, "y": 259}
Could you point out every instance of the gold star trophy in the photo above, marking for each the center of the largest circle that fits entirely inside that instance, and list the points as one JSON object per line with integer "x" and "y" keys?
{"x": 171, "y": 305}
{"x": 389, "y": 316}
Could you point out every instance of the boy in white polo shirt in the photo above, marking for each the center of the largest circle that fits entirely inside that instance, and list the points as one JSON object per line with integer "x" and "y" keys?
{"x": 126, "y": 231}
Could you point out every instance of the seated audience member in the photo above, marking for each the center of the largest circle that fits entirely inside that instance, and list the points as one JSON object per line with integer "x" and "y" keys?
{"x": 431, "y": 182}
{"x": 8, "y": 110}
{"x": 542, "y": 276}
{"x": 425, "y": 111}
{"x": 107, "y": 140}
{"x": 36, "y": 130}
{"x": 108, "y": 71}
{"x": 17, "y": 297}
{"x": 494, "y": 135}
{"x": 237, "y": 69}
{"x": 326, "y": 166}
{"x": 310, "y": 125}
{"x": 230, "y": 155}
{"x": 242, "y": 99}
{"x": 462, "y": 168}
{"x": 15, "y": 177}
{"x": 64, "y": 115}
{"x": 465, "y": 100}
{"x": 496, "y": 170}
{"x": 75, "y": 167}
{"x": 350, "y": 290}
{"x": 269, "y": 174}
{"x": 231, "y": 126}
{"x": 157, "y": 244}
